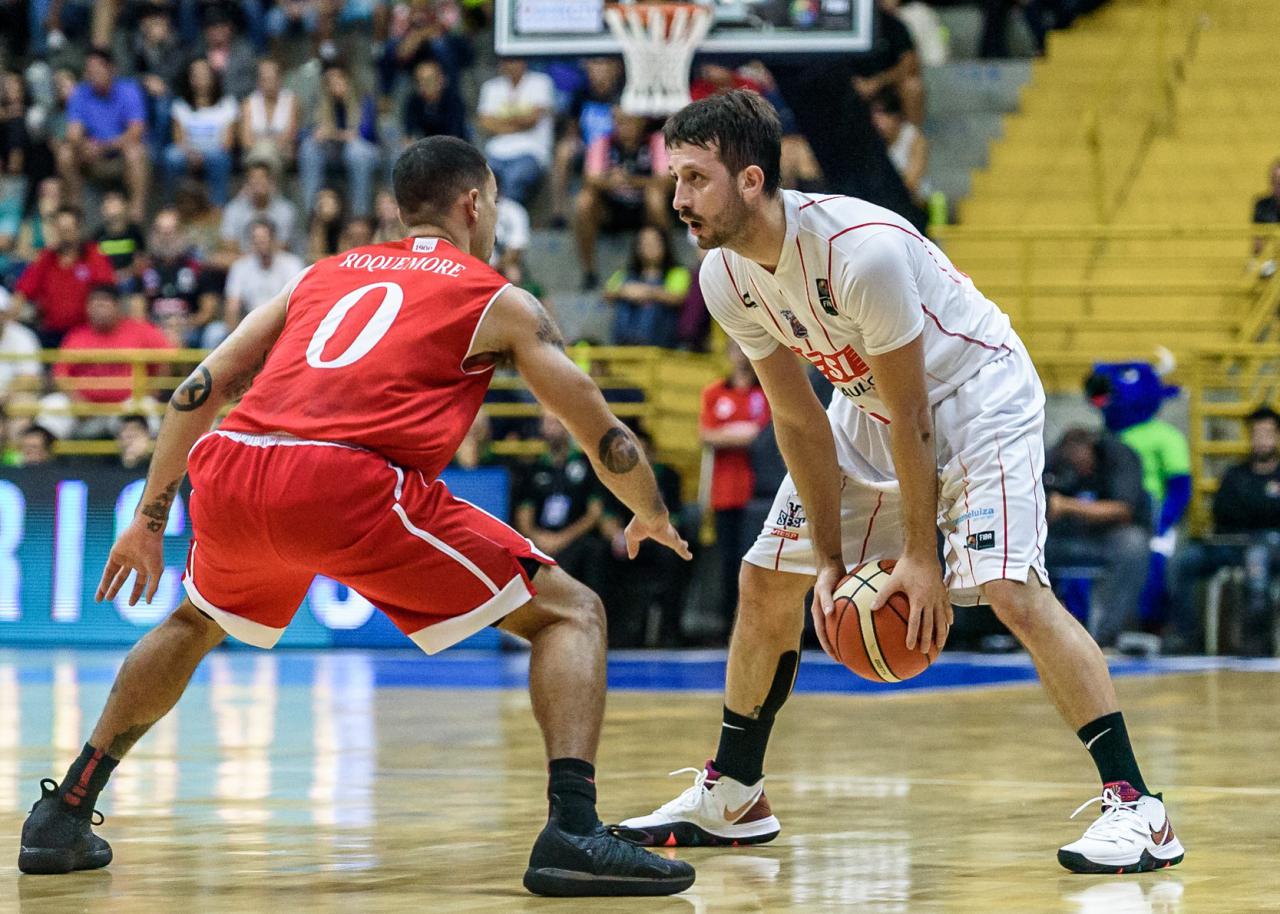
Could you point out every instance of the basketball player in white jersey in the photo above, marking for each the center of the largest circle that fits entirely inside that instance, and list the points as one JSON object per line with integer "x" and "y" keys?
{"x": 936, "y": 424}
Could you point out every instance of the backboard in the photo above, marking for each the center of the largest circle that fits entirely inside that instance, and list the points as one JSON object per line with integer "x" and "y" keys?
{"x": 577, "y": 27}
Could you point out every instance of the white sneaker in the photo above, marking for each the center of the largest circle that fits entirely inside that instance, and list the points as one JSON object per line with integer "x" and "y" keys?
{"x": 1133, "y": 835}
{"x": 715, "y": 811}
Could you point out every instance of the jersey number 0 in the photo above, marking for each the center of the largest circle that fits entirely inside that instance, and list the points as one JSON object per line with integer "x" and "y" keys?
{"x": 375, "y": 330}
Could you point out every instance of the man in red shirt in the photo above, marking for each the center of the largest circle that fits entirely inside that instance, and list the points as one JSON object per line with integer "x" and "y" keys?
{"x": 107, "y": 328}
{"x": 734, "y": 411}
{"x": 359, "y": 381}
{"x": 58, "y": 281}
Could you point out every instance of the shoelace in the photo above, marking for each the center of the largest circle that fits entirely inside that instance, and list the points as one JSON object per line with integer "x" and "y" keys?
{"x": 692, "y": 797}
{"x": 1118, "y": 820}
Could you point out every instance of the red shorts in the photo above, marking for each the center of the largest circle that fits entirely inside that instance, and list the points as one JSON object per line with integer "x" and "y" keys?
{"x": 268, "y": 514}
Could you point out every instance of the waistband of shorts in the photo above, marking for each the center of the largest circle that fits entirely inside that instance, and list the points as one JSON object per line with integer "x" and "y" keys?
{"x": 265, "y": 441}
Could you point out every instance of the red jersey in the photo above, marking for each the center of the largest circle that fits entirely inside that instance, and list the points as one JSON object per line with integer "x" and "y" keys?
{"x": 732, "y": 478}
{"x": 59, "y": 292}
{"x": 371, "y": 354}
{"x": 127, "y": 334}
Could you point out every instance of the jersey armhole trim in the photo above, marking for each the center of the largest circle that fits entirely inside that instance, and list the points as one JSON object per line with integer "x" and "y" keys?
{"x": 293, "y": 286}
{"x": 462, "y": 366}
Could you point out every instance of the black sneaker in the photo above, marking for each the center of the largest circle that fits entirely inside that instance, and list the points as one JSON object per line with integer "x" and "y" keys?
{"x": 56, "y": 840}
{"x": 568, "y": 865}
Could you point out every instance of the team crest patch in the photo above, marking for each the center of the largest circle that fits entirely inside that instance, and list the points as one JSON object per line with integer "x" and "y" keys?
{"x": 979, "y": 541}
{"x": 824, "y": 296}
{"x": 790, "y": 518}
{"x": 797, "y": 328}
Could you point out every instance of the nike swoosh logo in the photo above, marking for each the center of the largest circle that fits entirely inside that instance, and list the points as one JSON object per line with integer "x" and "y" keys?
{"x": 733, "y": 815}
{"x": 1163, "y": 836}
{"x": 1089, "y": 745}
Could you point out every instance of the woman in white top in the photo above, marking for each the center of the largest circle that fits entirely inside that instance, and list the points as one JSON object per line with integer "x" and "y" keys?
{"x": 269, "y": 120}
{"x": 203, "y": 128}
{"x": 907, "y": 147}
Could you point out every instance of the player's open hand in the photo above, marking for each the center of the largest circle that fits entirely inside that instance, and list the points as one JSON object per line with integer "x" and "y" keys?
{"x": 931, "y": 612}
{"x": 829, "y": 578}
{"x": 659, "y": 530}
{"x": 137, "y": 550}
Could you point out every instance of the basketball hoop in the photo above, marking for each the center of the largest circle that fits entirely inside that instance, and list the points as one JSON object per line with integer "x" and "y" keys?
{"x": 658, "y": 42}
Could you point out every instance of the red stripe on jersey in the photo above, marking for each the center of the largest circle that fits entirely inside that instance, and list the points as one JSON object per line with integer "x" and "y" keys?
{"x": 804, "y": 270}
{"x": 1035, "y": 494}
{"x": 961, "y": 336}
{"x": 870, "y": 523}
{"x": 1004, "y": 509}
{"x": 823, "y": 200}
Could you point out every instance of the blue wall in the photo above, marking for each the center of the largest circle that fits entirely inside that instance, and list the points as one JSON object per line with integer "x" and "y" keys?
{"x": 57, "y": 525}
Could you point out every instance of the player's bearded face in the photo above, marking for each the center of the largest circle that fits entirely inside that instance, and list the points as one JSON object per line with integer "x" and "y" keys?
{"x": 717, "y": 216}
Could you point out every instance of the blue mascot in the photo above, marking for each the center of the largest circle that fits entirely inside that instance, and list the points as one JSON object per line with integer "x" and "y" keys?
{"x": 1129, "y": 395}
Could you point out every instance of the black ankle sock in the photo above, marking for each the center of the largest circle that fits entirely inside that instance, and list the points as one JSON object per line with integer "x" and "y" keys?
{"x": 573, "y": 782}
{"x": 85, "y": 779}
{"x": 1108, "y": 742}
{"x": 743, "y": 741}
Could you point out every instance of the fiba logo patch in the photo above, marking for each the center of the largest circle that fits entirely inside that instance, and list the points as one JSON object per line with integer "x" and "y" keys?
{"x": 824, "y": 296}
{"x": 797, "y": 328}
{"x": 980, "y": 541}
{"x": 790, "y": 519}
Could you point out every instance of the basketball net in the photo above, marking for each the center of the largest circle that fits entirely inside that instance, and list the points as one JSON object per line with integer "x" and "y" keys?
{"x": 658, "y": 42}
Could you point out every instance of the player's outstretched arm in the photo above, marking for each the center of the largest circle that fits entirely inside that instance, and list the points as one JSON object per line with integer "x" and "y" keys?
{"x": 224, "y": 375}
{"x": 518, "y": 327}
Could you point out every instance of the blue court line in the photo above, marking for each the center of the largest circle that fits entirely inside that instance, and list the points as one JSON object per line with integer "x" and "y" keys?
{"x": 696, "y": 671}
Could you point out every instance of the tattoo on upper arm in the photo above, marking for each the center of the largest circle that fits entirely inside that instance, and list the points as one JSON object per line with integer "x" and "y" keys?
{"x": 547, "y": 331}
{"x": 156, "y": 511}
{"x": 194, "y": 391}
{"x": 618, "y": 451}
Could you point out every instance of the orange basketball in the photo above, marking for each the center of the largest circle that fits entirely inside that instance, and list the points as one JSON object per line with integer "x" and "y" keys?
{"x": 873, "y": 644}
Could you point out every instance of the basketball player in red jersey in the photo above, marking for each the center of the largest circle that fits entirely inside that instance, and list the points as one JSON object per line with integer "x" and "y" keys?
{"x": 359, "y": 381}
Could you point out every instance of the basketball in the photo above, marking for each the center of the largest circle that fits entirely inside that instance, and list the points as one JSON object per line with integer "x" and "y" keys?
{"x": 873, "y": 644}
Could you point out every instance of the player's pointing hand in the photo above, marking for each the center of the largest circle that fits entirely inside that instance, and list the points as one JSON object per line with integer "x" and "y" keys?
{"x": 659, "y": 530}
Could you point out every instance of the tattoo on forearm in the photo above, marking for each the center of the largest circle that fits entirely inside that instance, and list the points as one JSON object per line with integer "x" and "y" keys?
{"x": 618, "y": 451}
{"x": 194, "y": 391}
{"x": 157, "y": 510}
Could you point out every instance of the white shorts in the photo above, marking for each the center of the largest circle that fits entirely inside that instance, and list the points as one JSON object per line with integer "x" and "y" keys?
{"x": 991, "y": 505}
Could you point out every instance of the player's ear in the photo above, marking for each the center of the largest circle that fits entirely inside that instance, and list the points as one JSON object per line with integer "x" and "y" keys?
{"x": 751, "y": 181}
{"x": 473, "y": 206}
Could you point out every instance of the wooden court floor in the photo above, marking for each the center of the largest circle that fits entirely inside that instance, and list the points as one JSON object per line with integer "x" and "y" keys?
{"x": 335, "y": 794}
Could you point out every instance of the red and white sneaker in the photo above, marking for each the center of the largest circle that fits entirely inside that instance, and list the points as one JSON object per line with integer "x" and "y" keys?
{"x": 1133, "y": 835}
{"x": 716, "y": 811}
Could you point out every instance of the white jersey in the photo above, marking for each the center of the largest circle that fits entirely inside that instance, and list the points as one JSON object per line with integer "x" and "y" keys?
{"x": 856, "y": 280}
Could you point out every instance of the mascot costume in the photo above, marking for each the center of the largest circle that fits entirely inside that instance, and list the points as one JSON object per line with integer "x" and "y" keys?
{"x": 1129, "y": 395}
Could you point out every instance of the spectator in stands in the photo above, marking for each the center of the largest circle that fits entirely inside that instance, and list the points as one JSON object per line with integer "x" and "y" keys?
{"x": 904, "y": 142}
{"x": 891, "y": 62}
{"x": 325, "y": 230}
{"x": 1246, "y": 526}
{"x": 515, "y": 110}
{"x": 357, "y": 233}
{"x": 57, "y": 283}
{"x": 13, "y": 148}
{"x": 647, "y": 295}
{"x": 258, "y": 200}
{"x": 558, "y": 505}
{"x": 106, "y": 120}
{"x": 204, "y": 121}
{"x": 511, "y": 235}
{"x": 120, "y": 240}
{"x": 653, "y": 578}
{"x": 693, "y": 326}
{"x": 202, "y": 224}
{"x": 734, "y": 411}
{"x": 590, "y": 116}
{"x": 425, "y": 30}
{"x": 135, "y": 443}
{"x": 386, "y": 213}
{"x": 344, "y": 137}
{"x": 35, "y": 446}
{"x": 431, "y": 110}
{"x": 157, "y": 57}
{"x": 1099, "y": 516}
{"x": 180, "y": 296}
{"x": 38, "y": 231}
{"x": 19, "y": 368}
{"x": 1266, "y": 211}
{"x": 231, "y": 56}
{"x": 269, "y": 120}
{"x": 107, "y": 328}
{"x": 260, "y": 274}
{"x": 624, "y": 185}
{"x": 291, "y": 25}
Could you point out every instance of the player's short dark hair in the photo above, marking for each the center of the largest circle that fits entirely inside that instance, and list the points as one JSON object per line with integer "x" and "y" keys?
{"x": 1263, "y": 414}
{"x": 742, "y": 126}
{"x": 431, "y": 174}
